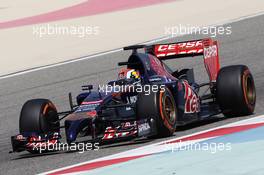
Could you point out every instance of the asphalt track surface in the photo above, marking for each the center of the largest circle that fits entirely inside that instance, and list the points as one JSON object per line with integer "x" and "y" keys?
{"x": 244, "y": 46}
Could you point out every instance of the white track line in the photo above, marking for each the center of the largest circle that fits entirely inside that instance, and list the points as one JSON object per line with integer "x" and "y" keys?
{"x": 115, "y": 50}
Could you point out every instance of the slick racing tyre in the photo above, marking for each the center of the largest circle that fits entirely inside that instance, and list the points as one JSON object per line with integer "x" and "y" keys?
{"x": 235, "y": 91}
{"x": 161, "y": 107}
{"x": 39, "y": 116}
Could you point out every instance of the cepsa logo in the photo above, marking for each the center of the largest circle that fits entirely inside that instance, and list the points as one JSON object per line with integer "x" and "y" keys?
{"x": 179, "y": 48}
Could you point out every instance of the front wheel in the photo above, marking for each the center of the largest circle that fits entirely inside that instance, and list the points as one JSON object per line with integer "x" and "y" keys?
{"x": 235, "y": 91}
{"x": 39, "y": 116}
{"x": 162, "y": 108}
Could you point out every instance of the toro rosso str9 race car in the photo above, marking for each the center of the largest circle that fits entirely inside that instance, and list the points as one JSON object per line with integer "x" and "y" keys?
{"x": 151, "y": 100}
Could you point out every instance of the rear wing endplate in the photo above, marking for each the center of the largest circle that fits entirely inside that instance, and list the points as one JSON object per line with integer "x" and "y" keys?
{"x": 207, "y": 48}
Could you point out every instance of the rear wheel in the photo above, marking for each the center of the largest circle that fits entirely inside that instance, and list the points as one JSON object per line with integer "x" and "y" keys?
{"x": 161, "y": 107}
{"x": 235, "y": 91}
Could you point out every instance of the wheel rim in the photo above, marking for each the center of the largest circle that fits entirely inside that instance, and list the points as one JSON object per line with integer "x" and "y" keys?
{"x": 50, "y": 118}
{"x": 250, "y": 90}
{"x": 169, "y": 109}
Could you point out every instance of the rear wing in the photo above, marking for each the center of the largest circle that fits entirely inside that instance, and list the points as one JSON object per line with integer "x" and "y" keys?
{"x": 207, "y": 48}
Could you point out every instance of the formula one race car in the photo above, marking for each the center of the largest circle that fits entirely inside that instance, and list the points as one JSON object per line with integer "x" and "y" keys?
{"x": 147, "y": 100}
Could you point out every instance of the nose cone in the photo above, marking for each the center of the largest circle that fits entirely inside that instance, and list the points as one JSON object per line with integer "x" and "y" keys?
{"x": 71, "y": 128}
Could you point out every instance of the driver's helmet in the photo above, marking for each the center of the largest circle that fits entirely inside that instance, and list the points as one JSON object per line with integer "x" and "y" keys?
{"x": 129, "y": 74}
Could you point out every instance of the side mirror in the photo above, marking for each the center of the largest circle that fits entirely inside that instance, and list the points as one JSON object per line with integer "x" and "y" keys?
{"x": 87, "y": 87}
